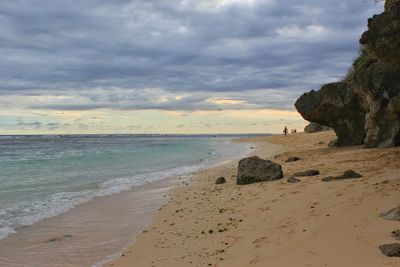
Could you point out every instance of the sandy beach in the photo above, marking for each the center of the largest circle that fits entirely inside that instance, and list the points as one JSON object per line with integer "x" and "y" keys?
{"x": 225, "y": 133}
{"x": 309, "y": 223}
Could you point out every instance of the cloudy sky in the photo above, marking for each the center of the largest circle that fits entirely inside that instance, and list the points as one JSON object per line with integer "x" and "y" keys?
{"x": 187, "y": 66}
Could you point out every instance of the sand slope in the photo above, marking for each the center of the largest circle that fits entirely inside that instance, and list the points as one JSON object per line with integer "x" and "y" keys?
{"x": 310, "y": 223}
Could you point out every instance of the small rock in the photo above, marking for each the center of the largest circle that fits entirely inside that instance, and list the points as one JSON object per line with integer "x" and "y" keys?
{"x": 333, "y": 143}
{"x": 56, "y": 239}
{"x": 349, "y": 174}
{"x": 306, "y": 173}
{"x": 396, "y": 234}
{"x": 313, "y": 127}
{"x": 392, "y": 215}
{"x": 293, "y": 179}
{"x": 220, "y": 180}
{"x": 292, "y": 159}
{"x": 328, "y": 179}
{"x": 391, "y": 250}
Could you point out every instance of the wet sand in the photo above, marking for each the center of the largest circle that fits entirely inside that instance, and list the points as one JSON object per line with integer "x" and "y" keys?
{"x": 309, "y": 223}
{"x": 90, "y": 233}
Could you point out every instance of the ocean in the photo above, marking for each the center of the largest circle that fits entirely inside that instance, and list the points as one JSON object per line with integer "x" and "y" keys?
{"x": 43, "y": 176}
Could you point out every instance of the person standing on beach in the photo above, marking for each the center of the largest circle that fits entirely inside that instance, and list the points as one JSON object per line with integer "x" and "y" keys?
{"x": 285, "y": 131}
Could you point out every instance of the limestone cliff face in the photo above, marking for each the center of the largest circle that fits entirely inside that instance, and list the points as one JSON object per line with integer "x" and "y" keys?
{"x": 365, "y": 107}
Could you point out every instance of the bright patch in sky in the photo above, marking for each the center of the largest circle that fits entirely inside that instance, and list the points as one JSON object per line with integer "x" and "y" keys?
{"x": 309, "y": 31}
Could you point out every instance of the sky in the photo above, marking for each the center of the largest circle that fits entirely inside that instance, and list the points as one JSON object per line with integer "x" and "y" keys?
{"x": 166, "y": 66}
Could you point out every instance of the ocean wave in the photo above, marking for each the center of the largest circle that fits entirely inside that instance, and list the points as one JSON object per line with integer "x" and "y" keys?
{"x": 19, "y": 214}
{"x": 6, "y": 231}
{"x": 13, "y": 218}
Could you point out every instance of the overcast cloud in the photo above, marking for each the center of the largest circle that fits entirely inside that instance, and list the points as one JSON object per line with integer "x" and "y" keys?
{"x": 175, "y": 55}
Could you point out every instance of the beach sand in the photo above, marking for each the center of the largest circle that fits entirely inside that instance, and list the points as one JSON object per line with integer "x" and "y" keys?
{"x": 90, "y": 233}
{"x": 309, "y": 223}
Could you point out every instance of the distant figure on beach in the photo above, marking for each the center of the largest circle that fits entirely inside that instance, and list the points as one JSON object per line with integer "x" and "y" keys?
{"x": 285, "y": 131}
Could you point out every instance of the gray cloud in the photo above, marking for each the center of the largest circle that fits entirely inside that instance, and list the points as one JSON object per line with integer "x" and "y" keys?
{"x": 122, "y": 54}
{"x": 28, "y": 125}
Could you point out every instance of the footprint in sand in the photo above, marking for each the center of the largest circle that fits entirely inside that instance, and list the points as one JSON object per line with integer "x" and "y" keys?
{"x": 291, "y": 232}
{"x": 260, "y": 241}
{"x": 309, "y": 252}
{"x": 264, "y": 208}
{"x": 255, "y": 260}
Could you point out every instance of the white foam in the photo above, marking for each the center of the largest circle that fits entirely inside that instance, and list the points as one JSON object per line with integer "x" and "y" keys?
{"x": 30, "y": 213}
{"x": 6, "y": 231}
{"x": 59, "y": 203}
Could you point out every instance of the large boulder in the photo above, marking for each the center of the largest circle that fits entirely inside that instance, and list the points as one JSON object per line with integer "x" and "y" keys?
{"x": 314, "y": 127}
{"x": 364, "y": 108}
{"x": 254, "y": 170}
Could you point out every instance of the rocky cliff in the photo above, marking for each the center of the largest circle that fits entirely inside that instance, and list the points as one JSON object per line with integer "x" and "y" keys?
{"x": 313, "y": 127}
{"x": 364, "y": 108}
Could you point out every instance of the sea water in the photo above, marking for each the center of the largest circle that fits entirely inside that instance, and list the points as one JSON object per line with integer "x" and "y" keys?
{"x": 44, "y": 176}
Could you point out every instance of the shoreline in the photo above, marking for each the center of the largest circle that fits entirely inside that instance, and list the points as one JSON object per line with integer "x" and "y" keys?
{"x": 257, "y": 144}
{"x": 68, "y": 239}
{"x": 60, "y": 239}
{"x": 310, "y": 223}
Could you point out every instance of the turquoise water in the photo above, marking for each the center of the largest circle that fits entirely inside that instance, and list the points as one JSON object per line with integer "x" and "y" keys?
{"x": 43, "y": 176}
